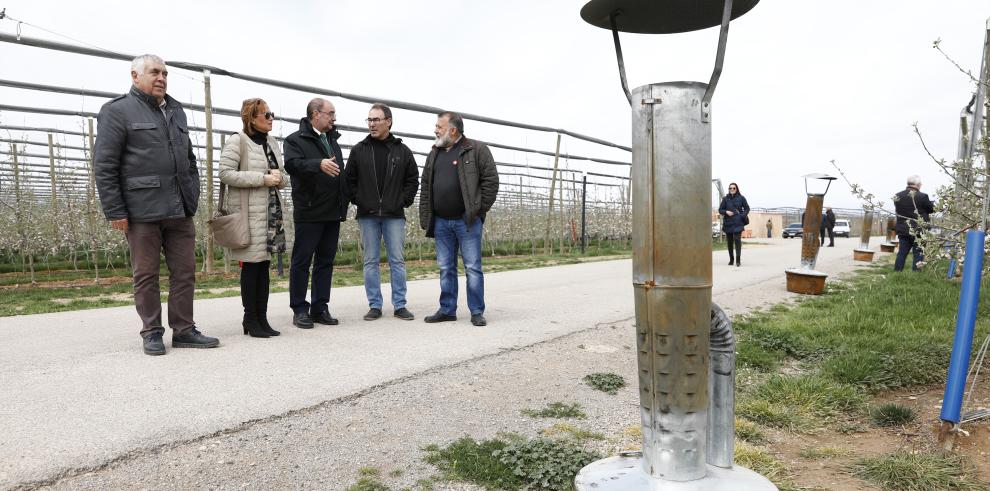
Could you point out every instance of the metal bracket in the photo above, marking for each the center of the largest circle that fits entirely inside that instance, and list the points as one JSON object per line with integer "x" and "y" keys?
{"x": 618, "y": 55}
{"x": 723, "y": 36}
{"x": 652, "y": 101}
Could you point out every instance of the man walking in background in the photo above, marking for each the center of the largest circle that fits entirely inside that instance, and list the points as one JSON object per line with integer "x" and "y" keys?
{"x": 146, "y": 175}
{"x": 910, "y": 205}
{"x": 319, "y": 200}
{"x": 829, "y": 227}
{"x": 459, "y": 186}
{"x": 382, "y": 177}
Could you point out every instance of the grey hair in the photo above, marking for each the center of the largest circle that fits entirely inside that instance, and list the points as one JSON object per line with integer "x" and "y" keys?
{"x": 137, "y": 65}
{"x": 454, "y": 119}
{"x": 914, "y": 180}
{"x": 314, "y": 106}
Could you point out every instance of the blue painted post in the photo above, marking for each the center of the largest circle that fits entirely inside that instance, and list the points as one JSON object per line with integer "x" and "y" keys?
{"x": 962, "y": 347}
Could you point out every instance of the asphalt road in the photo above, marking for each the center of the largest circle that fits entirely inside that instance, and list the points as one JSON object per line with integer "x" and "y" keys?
{"x": 77, "y": 391}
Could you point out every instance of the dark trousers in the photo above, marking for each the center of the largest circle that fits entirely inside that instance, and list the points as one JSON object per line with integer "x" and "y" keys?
{"x": 908, "y": 244}
{"x": 734, "y": 241}
{"x": 255, "y": 278}
{"x": 316, "y": 244}
{"x": 176, "y": 237}
{"x": 831, "y": 237}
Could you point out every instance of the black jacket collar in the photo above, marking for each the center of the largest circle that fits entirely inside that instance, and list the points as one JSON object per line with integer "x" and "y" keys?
{"x": 389, "y": 142}
{"x": 170, "y": 103}
{"x": 306, "y": 130}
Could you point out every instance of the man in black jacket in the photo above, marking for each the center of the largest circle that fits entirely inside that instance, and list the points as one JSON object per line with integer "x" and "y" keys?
{"x": 319, "y": 199}
{"x": 910, "y": 205}
{"x": 459, "y": 186}
{"x": 148, "y": 182}
{"x": 830, "y": 227}
{"x": 382, "y": 177}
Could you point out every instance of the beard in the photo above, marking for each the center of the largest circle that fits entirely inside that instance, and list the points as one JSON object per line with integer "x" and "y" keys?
{"x": 442, "y": 141}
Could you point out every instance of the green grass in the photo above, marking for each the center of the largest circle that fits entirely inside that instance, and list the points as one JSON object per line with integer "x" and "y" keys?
{"x": 512, "y": 462}
{"x": 749, "y": 432}
{"x": 557, "y": 410}
{"x": 609, "y": 383}
{"x": 474, "y": 461}
{"x": 881, "y": 331}
{"x": 368, "y": 484}
{"x": 84, "y": 294}
{"x": 803, "y": 403}
{"x": 567, "y": 430}
{"x": 904, "y": 471}
{"x": 891, "y": 414}
{"x": 765, "y": 464}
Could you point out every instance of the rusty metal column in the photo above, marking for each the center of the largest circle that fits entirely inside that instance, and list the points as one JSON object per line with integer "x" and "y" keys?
{"x": 867, "y": 230}
{"x": 805, "y": 279}
{"x": 811, "y": 238}
{"x": 672, "y": 275}
{"x": 863, "y": 252}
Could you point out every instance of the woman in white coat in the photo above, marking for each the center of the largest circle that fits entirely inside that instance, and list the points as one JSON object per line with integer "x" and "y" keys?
{"x": 263, "y": 176}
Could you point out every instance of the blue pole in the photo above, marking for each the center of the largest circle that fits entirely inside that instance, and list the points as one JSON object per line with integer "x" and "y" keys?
{"x": 962, "y": 347}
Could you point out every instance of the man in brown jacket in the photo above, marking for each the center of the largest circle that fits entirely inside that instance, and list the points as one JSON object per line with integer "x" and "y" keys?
{"x": 458, "y": 188}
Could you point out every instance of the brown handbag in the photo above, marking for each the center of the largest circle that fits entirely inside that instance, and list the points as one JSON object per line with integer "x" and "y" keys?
{"x": 231, "y": 229}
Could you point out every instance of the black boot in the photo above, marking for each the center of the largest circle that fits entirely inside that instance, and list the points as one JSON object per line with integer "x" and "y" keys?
{"x": 262, "y": 291}
{"x": 252, "y": 327}
{"x": 249, "y": 299}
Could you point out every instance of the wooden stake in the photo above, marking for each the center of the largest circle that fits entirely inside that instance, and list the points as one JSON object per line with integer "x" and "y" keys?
{"x": 208, "y": 109}
{"x": 547, "y": 247}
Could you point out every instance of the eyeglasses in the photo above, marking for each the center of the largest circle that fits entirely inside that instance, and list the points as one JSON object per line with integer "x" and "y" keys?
{"x": 328, "y": 113}
{"x": 375, "y": 120}
{"x": 269, "y": 115}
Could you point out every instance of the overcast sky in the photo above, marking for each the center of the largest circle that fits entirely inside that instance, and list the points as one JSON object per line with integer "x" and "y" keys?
{"x": 804, "y": 82}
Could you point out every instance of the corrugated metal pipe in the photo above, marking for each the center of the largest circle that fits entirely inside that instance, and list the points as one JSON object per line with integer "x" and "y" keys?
{"x": 721, "y": 391}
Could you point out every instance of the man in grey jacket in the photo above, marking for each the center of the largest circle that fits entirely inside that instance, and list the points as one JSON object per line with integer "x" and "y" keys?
{"x": 458, "y": 188}
{"x": 149, "y": 187}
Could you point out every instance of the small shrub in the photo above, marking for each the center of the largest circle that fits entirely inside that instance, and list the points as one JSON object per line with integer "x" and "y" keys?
{"x": 891, "y": 414}
{"x": 512, "y": 462}
{"x": 557, "y": 410}
{"x": 609, "y": 383}
{"x": 546, "y": 464}
{"x": 905, "y": 471}
{"x": 369, "y": 471}
{"x": 474, "y": 461}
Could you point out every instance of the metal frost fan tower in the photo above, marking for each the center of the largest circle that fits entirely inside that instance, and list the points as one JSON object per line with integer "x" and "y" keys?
{"x": 687, "y": 412}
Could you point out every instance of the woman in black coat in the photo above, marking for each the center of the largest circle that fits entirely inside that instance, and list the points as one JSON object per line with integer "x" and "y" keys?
{"x": 735, "y": 209}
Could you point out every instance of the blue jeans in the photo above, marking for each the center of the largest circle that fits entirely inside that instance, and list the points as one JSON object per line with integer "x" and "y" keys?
{"x": 452, "y": 235}
{"x": 908, "y": 244}
{"x": 393, "y": 230}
